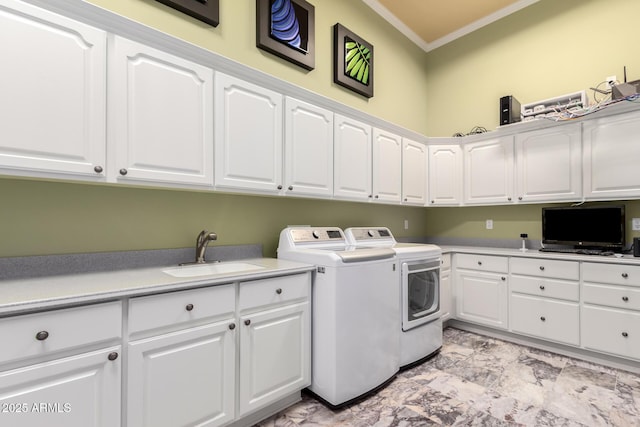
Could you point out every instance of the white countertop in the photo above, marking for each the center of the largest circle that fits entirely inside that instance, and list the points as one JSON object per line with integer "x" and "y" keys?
{"x": 534, "y": 253}
{"x": 24, "y": 295}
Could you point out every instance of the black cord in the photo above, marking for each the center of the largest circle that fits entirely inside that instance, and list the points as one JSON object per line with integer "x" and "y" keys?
{"x": 474, "y": 131}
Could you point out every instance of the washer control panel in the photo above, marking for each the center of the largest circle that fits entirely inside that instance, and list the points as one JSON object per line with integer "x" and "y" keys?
{"x": 363, "y": 234}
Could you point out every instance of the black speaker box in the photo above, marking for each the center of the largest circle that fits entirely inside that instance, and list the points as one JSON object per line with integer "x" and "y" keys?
{"x": 509, "y": 110}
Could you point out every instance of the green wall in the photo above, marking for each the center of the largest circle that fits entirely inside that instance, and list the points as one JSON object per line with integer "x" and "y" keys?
{"x": 39, "y": 218}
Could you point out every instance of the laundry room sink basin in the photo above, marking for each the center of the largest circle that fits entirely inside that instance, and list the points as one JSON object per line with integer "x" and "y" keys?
{"x": 211, "y": 269}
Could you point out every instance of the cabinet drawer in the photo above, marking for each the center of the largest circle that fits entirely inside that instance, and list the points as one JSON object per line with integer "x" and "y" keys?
{"x": 543, "y": 287}
{"x": 569, "y": 270}
{"x": 611, "y": 331}
{"x": 445, "y": 262}
{"x": 610, "y": 273}
{"x": 278, "y": 290}
{"x": 482, "y": 262}
{"x": 613, "y": 296}
{"x": 42, "y": 333}
{"x": 180, "y": 308}
{"x": 544, "y": 318}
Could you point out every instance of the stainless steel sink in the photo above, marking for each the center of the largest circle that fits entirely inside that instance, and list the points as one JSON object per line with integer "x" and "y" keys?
{"x": 211, "y": 269}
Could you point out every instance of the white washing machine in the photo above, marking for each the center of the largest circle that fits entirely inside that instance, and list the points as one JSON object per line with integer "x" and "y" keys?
{"x": 419, "y": 281}
{"x": 354, "y": 309}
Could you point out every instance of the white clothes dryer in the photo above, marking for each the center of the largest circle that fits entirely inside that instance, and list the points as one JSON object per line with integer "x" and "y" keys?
{"x": 419, "y": 281}
{"x": 354, "y": 308}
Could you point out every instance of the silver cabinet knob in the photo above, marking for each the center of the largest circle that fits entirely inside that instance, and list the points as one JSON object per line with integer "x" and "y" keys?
{"x": 42, "y": 335}
{"x": 503, "y": 278}
{"x": 509, "y": 199}
{"x": 542, "y": 287}
{"x": 290, "y": 188}
{"x": 542, "y": 268}
{"x": 98, "y": 169}
{"x": 232, "y": 326}
{"x": 520, "y": 198}
{"x": 479, "y": 262}
{"x": 247, "y": 322}
{"x": 279, "y": 291}
{"x": 279, "y": 187}
{"x": 112, "y": 356}
{"x": 377, "y": 197}
{"x": 543, "y": 318}
{"x": 625, "y": 275}
{"x": 189, "y": 307}
{"x": 123, "y": 171}
{"x": 624, "y": 334}
{"x": 405, "y": 199}
{"x": 625, "y": 299}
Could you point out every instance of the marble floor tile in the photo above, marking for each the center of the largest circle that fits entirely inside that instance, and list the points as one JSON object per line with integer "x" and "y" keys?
{"x": 481, "y": 381}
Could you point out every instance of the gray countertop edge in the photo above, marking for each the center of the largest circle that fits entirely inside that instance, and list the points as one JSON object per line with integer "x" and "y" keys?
{"x": 22, "y": 296}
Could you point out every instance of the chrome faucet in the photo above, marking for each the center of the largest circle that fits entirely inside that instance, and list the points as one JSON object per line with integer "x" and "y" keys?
{"x": 201, "y": 245}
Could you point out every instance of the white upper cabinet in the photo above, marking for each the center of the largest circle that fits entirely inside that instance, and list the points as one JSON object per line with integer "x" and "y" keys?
{"x": 52, "y": 93}
{"x": 387, "y": 167}
{"x": 414, "y": 172}
{"x": 248, "y": 136}
{"x": 611, "y": 153}
{"x": 352, "y": 165}
{"x": 549, "y": 164}
{"x": 445, "y": 175}
{"x": 308, "y": 157}
{"x": 161, "y": 109}
{"x": 488, "y": 171}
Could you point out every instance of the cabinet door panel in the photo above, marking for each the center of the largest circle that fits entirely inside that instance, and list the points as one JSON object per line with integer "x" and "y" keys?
{"x": 414, "y": 172}
{"x": 275, "y": 353}
{"x": 162, "y": 108}
{"x": 482, "y": 298}
{"x": 248, "y": 136}
{"x": 488, "y": 171}
{"x": 387, "y": 166}
{"x": 611, "y": 157}
{"x": 53, "y": 90}
{"x": 77, "y": 391}
{"x": 183, "y": 378}
{"x": 549, "y": 164}
{"x": 445, "y": 175}
{"x": 308, "y": 149}
{"x": 545, "y": 318}
{"x": 352, "y": 167}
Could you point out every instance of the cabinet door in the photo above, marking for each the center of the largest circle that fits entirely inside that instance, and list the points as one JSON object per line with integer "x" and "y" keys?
{"x": 352, "y": 166}
{"x": 488, "y": 171}
{"x": 77, "y": 391}
{"x": 445, "y": 175}
{"x": 414, "y": 172}
{"x": 482, "y": 297}
{"x": 183, "y": 378}
{"x": 275, "y": 355}
{"x": 549, "y": 164}
{"x": 248, "y": 136}
{"x": 446, "y": 297}
{"x": 53, "y": 99}
{"x": 387, "y": 167}
{"x": 308, "y": 154}
{"x": 162, "y": 116}
{"x": 611, "y": 153}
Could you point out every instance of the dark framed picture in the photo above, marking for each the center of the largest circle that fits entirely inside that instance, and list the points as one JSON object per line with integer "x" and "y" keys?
{"x": 352, "y": 61}
{"x": 286, "y": 28}
{"x": 204, "y": 10}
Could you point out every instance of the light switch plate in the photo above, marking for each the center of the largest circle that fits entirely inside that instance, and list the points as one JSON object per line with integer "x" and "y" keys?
{"x": 635, "y": 224}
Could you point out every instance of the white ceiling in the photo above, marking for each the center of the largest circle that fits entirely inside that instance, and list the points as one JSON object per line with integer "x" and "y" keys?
{"x": 433, "y": 23}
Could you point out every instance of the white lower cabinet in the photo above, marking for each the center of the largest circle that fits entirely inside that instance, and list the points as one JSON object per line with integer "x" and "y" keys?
{"x": 183, "y": 378}
{"x": 275, "y": 340}
{"x": 611, "y": 309}
{"x": 76, "y": 391}
{"x": 62, "y": 367}
{"x": 481, "y": 292}
{"x": 446, "y": 296}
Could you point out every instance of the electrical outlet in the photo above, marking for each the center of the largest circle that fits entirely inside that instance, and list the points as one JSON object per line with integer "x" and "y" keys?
{"x": 489, "y": 224}
{"x": 406, "y": 224}
{"x": 635, "y": 224}
{"x": 611, "y": 81}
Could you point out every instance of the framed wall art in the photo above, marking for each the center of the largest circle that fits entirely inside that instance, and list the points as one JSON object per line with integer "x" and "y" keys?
{"x": 286, "y": 28}
{"x": 352, "y": 61}
{"x": 204, "y": 10}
